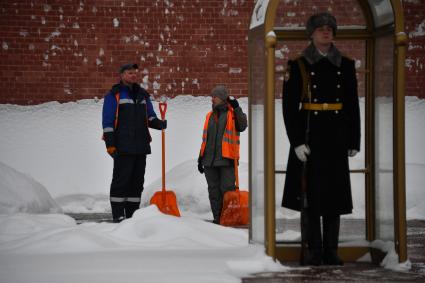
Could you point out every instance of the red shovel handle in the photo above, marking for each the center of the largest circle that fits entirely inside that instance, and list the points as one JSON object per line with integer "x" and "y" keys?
{"x": 162, "y": 109}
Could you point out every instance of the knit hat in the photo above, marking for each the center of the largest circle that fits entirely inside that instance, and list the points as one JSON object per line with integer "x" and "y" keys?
{"x": 221, "y": 92}
{"x": 319, "y": 20}
{"x": 128, "y": 66}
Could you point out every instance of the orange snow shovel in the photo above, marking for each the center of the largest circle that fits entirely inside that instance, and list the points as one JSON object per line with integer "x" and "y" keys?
{"x": 235, "y": 210}
{"x": 166, "y": 201}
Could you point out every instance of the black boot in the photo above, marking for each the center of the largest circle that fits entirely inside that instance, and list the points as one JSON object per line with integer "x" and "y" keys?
{"x": 118, "y": 213}
{"x": 130, "y": 208}
{"x": 330, "y": 240}
{"x": 314, "y": 240}
{"x": 216, "y": 206}
{"x": 315, "y": 257}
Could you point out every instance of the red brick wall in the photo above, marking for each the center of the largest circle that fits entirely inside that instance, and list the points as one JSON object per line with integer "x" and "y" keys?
{"x": 414, "y": 13}
{"x": 67, "y": 50}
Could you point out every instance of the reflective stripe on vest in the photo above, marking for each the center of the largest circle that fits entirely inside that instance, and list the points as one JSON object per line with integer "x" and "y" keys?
{"x": 231, "y": 138}
{"x": 123, "y": 101}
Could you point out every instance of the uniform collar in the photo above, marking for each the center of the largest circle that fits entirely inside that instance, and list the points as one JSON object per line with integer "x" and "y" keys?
{"x": 312, "y": 55}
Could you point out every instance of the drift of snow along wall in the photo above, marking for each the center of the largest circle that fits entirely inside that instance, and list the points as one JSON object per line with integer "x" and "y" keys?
{"x": 65, "y": 51}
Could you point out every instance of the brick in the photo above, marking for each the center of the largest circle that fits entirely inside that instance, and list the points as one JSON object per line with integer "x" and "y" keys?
{"x": 202, "y": 46}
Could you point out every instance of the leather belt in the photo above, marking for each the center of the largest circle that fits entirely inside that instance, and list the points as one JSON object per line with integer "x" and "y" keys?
{"x": 322, "y": 106}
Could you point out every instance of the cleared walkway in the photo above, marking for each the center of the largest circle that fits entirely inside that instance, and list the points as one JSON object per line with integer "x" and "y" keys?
{"x": 350, "y": 272}
{"x": 358, "y": 272}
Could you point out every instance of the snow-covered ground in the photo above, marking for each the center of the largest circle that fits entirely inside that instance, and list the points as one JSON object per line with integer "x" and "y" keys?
{"x": 52, "y": 160}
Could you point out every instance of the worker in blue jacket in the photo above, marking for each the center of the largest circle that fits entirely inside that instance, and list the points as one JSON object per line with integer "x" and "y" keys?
{"x": 127, "y": 115}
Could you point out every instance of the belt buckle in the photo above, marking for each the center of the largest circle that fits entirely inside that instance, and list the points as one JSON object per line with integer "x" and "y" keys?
{"x": 325, "y": 106}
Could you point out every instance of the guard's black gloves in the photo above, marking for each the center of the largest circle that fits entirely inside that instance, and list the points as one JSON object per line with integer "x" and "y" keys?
{"x": 200, "y": 166}
{"x": 164, "y": 124}
{"x": 233, "y": 102}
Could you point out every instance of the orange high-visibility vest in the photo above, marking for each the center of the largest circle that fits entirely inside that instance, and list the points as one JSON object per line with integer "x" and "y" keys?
{"x": 231, "y": 138}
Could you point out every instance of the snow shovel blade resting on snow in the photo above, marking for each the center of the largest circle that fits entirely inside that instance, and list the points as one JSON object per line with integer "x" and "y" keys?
{"x": 166, "y": 201}
{"x": 235, "y": 210}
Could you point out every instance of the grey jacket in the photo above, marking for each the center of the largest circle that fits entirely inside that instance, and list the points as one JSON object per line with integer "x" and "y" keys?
{"x": 212, "y": 155}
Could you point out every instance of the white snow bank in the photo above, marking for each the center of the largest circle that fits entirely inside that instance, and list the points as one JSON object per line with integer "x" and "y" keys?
{"x": 391, "y": 259}
{"x": 191, "y": 250}
{"x": 59, "y": 145}
{"x": 21, "y": 193}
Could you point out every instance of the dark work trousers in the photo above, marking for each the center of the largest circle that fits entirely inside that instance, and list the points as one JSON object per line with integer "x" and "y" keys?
{"x": 127, "y": 185}
{"x": 220, "y": 180}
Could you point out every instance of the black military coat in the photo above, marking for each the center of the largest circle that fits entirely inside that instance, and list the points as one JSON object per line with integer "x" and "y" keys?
{"x": 331, "y": 134}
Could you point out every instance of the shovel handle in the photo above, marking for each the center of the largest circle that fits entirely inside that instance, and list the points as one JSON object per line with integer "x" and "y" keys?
{"x": 162, "y": 109}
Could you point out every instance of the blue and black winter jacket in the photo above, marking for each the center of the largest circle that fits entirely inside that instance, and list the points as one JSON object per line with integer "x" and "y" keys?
{"x": 127, "y": 114}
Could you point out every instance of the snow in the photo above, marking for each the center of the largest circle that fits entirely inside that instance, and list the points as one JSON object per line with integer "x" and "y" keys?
{"x": 259, "y": 14}
{"x": 420, "y": 30}
{"x": 21, "y": 193}
{"x": 391, "y": 259}
{"x": 53, "y": 161}
{"x": 116, "y": 22}
{"x": 53, "y": 248}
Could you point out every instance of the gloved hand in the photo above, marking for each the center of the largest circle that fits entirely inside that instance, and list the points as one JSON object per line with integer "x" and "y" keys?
{"x": 352, "y": 152}
{"x": 302, "y": 151}
{"x": 164, "y": 124}
{"x": 158, "y": 124}
{"x": 233, "y": 102}
{"x": 200, "y": 166}
{"x": 112, "y": 151}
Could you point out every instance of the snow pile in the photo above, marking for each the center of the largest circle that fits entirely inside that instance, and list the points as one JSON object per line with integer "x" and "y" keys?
{"x": 140, "y": 248}
{"x": 21, "y": 193}
{"x": 59, "y": 145}
{"x": 190, "y": 188}
{"x": 391, "y": 259}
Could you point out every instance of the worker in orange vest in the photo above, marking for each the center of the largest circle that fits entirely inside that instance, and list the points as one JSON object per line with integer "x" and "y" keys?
{"x": 220, "y": 146}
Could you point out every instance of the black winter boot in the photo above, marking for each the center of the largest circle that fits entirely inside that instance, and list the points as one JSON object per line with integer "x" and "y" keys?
{"x": 130, "y": 208}
{"x": 330, "y": 240}
{"x": 118, "y": 213}
{"x": 315, "y": 257}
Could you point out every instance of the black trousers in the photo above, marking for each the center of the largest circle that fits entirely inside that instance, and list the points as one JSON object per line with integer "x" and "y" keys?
{"x": 328, "y": 241}
{"x": 127, "y": 185}
{"x": 220, "y": 180}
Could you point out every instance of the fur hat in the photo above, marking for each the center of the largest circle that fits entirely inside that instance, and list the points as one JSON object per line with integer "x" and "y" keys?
{"x": 221, "y": 92}
{"x": 319, "y": 20}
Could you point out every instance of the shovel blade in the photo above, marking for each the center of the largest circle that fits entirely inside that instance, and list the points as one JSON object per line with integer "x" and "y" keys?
{"x": 166, "y": 202}
{"x": 235, "y": 210}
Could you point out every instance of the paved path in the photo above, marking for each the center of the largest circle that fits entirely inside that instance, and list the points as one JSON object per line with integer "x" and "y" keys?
{"x": 354, "y": 272}
{"x": 358, "y": 272}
